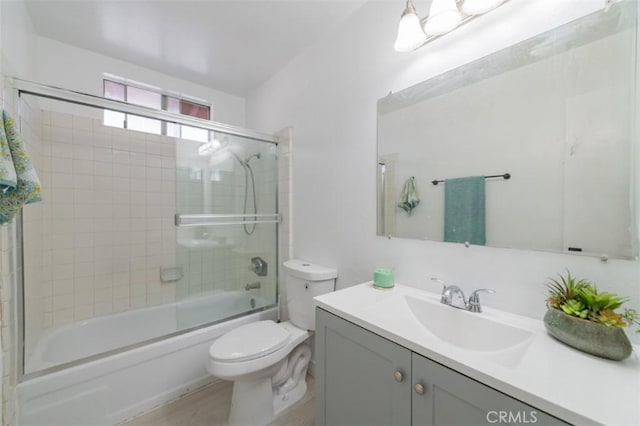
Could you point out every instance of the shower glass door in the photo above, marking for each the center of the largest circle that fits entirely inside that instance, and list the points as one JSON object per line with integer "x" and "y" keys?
{"x": 106, "y": 266}
{"x": 226, "y": 227}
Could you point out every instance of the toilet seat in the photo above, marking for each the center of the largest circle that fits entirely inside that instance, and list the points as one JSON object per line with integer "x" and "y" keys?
{"x": 250, "y": 341}
{"x": 232, "y": 369}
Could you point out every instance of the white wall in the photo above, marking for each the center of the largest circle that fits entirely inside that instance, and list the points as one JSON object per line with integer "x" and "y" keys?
{"x": 70, "y": 67}
{"x": 329, "y": 93}
{"x": 19, "y": 40}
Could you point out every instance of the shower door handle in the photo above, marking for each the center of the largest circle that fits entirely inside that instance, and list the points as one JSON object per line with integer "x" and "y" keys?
{"x": 225, "y": 219}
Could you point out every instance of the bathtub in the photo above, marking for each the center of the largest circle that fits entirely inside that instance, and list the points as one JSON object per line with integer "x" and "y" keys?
{"x": 110, "y": 389}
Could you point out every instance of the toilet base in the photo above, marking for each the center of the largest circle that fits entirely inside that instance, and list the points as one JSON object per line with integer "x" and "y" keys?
{"x": 282, "y": 403}
{"x": 258, "y": 410}
{"x": 260, "y": 401}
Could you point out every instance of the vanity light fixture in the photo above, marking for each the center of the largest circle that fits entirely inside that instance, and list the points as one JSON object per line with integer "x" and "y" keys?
{"x": 444, "y": 17}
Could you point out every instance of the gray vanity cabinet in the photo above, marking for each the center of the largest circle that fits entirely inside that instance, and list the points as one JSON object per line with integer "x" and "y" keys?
{"x": 361, "y": 378}
{"x": 365, "y": 379}
{"x": 445, "y": 397}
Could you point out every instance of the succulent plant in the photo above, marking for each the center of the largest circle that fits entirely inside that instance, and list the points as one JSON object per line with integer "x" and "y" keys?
{"x": 596, "y": 301}
{"x": 575, "y": 308}
{"x": 611, "y": 318}
{"x": 567, "y": 288}
{"x": 580, "y": 298}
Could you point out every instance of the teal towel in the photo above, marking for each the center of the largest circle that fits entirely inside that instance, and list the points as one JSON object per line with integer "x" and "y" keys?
{"x": 464, "y": 210}
{"x": 19, "y": 184}
{"x": 409, "y": 198}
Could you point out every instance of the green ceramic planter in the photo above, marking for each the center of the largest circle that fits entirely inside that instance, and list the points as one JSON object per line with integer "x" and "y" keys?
{"x": 588, "y": 336}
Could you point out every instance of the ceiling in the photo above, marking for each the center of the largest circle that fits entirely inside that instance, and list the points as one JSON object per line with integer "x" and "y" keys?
{"x": 232, "y": 46}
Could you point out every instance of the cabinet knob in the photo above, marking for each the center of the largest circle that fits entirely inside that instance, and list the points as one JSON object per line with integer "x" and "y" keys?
{"x": 398, "y": 376}
{"x": 419, "y": 389}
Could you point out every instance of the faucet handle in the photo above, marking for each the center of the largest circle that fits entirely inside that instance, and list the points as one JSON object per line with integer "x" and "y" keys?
{"x": 438, "y": 280}
{"x": 443, "y": 296}
{"x": 474, "y": 299}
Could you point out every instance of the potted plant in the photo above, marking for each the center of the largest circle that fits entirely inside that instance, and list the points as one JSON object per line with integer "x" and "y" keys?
{"x": 582, "y": 317}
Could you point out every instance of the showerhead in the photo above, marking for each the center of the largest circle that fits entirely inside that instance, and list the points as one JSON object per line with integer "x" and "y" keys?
{"x": 245, "y": 162}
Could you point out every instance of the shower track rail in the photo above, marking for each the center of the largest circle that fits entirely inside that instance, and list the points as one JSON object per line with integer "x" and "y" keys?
{"x": 29, "y": 87}
{"x": 210, "y": 219}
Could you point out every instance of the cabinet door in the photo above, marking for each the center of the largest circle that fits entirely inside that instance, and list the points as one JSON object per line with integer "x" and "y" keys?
{"x": 357, "y": 380}
{"x": 451, "y": 398}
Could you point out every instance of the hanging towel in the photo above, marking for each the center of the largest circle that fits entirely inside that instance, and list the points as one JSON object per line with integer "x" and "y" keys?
{"x": 409, "y": 198}
{"x": 464, "y": 210}
{"x": 19, "y": 184}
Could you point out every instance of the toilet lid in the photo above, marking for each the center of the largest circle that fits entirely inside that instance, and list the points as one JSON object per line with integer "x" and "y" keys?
{"x": 249, "y": 341}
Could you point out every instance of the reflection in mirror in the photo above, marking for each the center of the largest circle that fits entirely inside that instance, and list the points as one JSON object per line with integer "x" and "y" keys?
{"x": 555, "y": 112}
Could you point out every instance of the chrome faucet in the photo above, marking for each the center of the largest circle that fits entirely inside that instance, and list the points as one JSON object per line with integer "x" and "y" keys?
{"x": 447, "y": 297}
{"x": 450, "y": 291}
{"x": 474, "y": 300}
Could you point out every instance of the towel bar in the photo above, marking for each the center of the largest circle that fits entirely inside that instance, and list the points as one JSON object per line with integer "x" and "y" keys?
{"x": 505, "y": 176}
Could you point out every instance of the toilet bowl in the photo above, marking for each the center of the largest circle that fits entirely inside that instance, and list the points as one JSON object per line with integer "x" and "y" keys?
{"x": 268, "y": 361}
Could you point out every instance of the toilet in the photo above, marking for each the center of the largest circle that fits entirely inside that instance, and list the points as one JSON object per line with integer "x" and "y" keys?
{"x": 267, "y": 361}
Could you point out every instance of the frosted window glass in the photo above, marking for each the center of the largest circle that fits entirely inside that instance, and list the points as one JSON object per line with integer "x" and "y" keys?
{"x": 113, "y": 90}
{"x": 144, "y": 97}
{"x": 159, "y": 101}
{"x": 114, "y": 119}
{"x": 173, "y": 104}
{"x": 143, "y": 124}
{"x": 173, "y": 130}
{"x": 194, "y": 133}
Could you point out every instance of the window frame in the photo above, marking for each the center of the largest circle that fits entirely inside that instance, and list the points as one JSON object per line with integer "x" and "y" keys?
{"x": 164, "y": 102}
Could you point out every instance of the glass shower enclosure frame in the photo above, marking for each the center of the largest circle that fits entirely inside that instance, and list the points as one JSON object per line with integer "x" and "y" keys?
{"x": 196, "y": 223}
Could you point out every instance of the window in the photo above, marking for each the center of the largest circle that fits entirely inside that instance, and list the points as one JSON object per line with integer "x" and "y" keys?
{"x": 152, "y": 99}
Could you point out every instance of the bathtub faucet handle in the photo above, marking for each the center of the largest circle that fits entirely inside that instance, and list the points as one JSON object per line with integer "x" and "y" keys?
{"x": 259, "y": 266}
{"x": 252, "y": 286}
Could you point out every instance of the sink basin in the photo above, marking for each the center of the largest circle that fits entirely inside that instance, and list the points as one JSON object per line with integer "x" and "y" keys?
{"x": 464, "y": 329}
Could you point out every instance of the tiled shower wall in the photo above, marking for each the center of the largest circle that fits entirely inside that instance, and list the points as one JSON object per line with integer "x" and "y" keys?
{"x": 97, "y": 242}
{"x": 216, "y": 185}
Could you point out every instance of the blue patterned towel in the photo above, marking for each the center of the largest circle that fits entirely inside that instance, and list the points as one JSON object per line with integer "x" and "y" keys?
{"x": 8, "y": 177}
{"x": 19, "y": 183}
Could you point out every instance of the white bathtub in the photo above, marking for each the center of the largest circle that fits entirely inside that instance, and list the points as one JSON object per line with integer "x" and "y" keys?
{"x": 111, "y": 389}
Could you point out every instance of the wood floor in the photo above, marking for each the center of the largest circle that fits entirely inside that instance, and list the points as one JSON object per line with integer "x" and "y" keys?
{"x": 209, "y": 406}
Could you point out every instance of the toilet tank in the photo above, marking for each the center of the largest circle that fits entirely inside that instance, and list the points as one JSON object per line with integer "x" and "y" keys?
{"x": 304, "y": 281}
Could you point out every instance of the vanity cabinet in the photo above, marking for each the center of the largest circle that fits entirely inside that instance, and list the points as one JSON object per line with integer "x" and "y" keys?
{"x": 365, "y": 379}
{"x": 361, "y": 378}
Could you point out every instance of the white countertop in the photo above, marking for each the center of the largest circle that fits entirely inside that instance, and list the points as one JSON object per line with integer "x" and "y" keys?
{"x": 573, "y": 386}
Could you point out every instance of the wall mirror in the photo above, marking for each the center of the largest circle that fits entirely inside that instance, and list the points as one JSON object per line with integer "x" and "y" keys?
{"x": 555, "y": 112}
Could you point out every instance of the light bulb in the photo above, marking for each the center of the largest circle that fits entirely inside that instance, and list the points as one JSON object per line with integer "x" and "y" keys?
{"x": 478, "y": 7}
{"x": 410, "y": 34}
{"x": 444, "y": 16}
